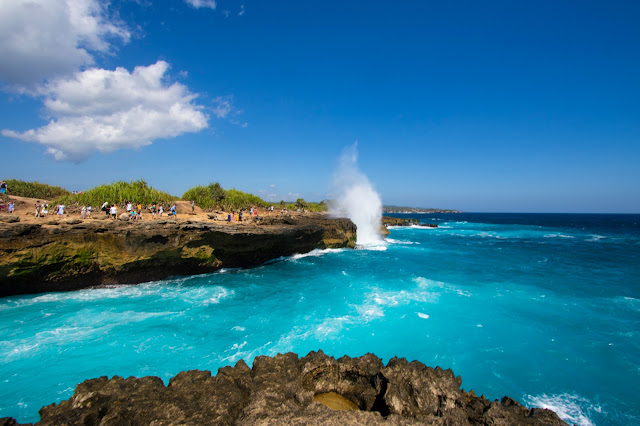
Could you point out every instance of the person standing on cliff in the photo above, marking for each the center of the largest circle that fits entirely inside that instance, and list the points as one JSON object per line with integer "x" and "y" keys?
{"x": 114, "y": 212}
{"x": 193, "y": 206}
{"x": 38, "y": 207}
{"x": 10, "y": 207}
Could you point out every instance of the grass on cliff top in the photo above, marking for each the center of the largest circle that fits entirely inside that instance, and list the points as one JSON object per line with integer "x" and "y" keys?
{"x": 136, "y": 191}
{"x": 213, "y": 196}
{"x": 209, "y": 197}
{"x": 21, "y": 188}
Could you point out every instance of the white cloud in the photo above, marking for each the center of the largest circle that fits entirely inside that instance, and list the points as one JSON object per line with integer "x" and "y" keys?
{"x": 102, "y": 110}
{"x": 202, "y": 3}
{"x": 40, "y": 39}
{"x": 223, "y": 106}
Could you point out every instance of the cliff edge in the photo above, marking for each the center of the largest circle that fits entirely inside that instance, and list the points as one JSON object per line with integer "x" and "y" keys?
{"x": 285, "y": 389}
{"x": 74, "y": 254}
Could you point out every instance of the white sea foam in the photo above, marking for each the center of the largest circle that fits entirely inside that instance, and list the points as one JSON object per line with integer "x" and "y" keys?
{"x": 595, "y": 238}
{"x": 432, "y": 285}
{"x": 369, "y": 312}
{"x": 570, "y": 408}
{"x": 630, "y": 302}
{"x": 558, "y": 236}
{"x": 427, "y": 283}
{"x": 220, "y": 294}
{"x": 392, "y": 241}
{"x": 331, "y": 326}
{"x": 238, "y": 328}
{"x": 356, "y": 198}
{"x": 424, "y": 316}
{"x": 402, "y": 297}
{"x": 237, "y": 346}
{"x": 315, "y": 253}
{"x": 380, "y": 246}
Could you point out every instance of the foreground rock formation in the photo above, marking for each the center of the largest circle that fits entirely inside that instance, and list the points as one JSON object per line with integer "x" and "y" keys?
{"x": 74, "y": 254}
{"x": 285, "y": 389}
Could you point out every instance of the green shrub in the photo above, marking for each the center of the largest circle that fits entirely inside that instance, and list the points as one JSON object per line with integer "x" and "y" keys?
{"x": 234, "y": 200}
{"x": 21, "y": 188}
{"x": 213, "y": 196}
{"x": 207, "y": 197}
{"x": 136, "y": 191}
{"x": 318, "y": 207}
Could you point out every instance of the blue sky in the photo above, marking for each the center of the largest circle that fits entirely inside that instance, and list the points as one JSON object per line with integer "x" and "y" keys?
{"x": 479, "y": 106}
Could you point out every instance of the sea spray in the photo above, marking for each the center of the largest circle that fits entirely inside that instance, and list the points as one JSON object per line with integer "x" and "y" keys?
{"x": 356, "y": 198}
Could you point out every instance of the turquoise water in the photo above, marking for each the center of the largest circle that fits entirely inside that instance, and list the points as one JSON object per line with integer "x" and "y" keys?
{"x": 543, "y": 308}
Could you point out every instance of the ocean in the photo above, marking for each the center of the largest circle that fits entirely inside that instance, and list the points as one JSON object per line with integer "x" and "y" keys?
{"x": 544, "y": 308}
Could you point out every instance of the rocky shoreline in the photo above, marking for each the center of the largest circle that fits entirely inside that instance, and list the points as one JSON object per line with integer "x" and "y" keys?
{"x": 285, "y": 389}
{"x": 72, "y": 254}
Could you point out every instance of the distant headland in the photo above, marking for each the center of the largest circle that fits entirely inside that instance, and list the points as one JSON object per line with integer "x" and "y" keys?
{"x": 400, "y": 209}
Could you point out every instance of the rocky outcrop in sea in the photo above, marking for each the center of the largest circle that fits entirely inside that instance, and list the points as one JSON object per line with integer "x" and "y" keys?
{"x": 74, "y": 254}
{"x": 285, "y": 389}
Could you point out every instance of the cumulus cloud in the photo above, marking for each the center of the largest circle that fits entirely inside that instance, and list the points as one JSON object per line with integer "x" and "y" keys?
{"x": 40, "y": 39}
{"x": 202, "y": 3}
{"x": 99, "y": 110}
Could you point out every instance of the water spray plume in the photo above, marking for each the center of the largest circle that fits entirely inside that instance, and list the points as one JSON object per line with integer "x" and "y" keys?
{"x": 356, "y": 198}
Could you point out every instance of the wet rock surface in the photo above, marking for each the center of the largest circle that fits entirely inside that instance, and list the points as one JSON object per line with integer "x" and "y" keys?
{"x": 74, "y": 254}
{"x": 286, "y": 389}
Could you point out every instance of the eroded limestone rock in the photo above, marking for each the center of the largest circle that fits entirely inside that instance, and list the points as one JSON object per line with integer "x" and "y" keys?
{"x": 286, "y": 389}
{"x": 37, "y": 258}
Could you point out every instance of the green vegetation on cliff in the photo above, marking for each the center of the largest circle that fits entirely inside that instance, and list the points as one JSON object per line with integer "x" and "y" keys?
{"x": 300, "y": 203}
{"x": 21, "y": 188}
{"x": 209, "y": 197}
{"x": 136, "y": 191}
{"x": 213, "y": 196}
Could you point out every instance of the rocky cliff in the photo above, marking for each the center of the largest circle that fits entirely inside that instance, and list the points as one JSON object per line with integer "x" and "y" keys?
{"x": 285, "y": 389}
{"x": 73, "y": 254}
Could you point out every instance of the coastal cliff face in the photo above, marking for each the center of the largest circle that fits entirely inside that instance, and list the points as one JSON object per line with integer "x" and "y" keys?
{"x": 74, "y": 254}
{"x": 285, "y": 389}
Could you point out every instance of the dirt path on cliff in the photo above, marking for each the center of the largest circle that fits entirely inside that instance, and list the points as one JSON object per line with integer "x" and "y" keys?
{"x": 25, "y": 210}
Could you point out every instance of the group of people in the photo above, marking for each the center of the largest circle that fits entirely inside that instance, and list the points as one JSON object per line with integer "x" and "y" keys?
{"x": 237, "y": 216}
{"x": 134, "y": 211}
{"x": 85, "y": 212}
{"x": 42, "y": 209}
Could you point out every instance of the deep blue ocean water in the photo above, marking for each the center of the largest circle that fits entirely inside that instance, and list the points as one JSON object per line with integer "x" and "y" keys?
{"x": 543, "y": 308}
